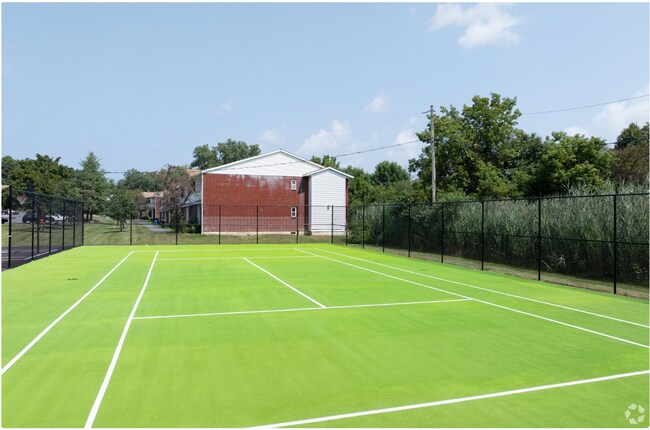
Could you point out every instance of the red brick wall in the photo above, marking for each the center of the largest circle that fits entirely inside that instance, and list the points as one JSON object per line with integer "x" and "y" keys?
{"x": 243, "y": 203}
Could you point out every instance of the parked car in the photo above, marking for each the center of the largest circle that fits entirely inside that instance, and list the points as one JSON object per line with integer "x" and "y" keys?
{"x": 28, "y": 218}
{"x": 5, "y": 218}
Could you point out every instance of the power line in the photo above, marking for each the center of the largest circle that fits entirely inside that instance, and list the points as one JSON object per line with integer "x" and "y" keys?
{"x": 586, "y": 106}
{"x": 300, "y": 161}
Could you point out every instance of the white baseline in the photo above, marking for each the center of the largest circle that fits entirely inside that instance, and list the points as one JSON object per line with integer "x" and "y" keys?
{"x": 56, "y": 321}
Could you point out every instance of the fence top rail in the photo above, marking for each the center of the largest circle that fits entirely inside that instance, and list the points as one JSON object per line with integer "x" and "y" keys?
{"x": 524, "y": 199}
{"x": 36, "y": 193}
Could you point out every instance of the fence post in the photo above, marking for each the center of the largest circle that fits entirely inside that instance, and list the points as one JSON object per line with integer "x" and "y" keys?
{"x": 257, "y": 224}
{"x": 383, "y": 228}
{"x": 363, "y": 226}
{"x": 442, "y": 233}
{"x": 615, "y": 243}
{"x": 74, "y": 223}
{"x": 49, "y": 238}
{"x": 83, "y": 222}
{"x": 482, "y": 234}
{"x": 63, "y": 228}
{"x": 297, "y": 222}
{"x": 347, "y": 223}
{"x": 539, "y": 238}
{"x": 332, "y": 226}
{"x": 409, "y": 231}
{"x": 131, "y": 229}
{"x": 11, "y": 210}
{"x": 219, "y": 224}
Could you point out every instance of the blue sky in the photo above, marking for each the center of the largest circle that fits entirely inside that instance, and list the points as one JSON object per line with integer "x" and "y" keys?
{"x": 141, "y": 85}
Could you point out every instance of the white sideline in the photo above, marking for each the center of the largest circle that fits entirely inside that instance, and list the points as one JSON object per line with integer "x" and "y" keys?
{"x": 56, "y": 321}
{"x": 485, "y": 302}
{"x": 269, "y": 311}
{"x": 487, "y": 289}
{"x": 458, "y": 400}
{"x": 285, "y": 284}
{"x": 118, "y": 349}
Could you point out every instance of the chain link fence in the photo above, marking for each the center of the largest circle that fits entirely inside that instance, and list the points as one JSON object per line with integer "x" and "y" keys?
{"x": 596, "y": 242}
{"x": 37, "y": 225}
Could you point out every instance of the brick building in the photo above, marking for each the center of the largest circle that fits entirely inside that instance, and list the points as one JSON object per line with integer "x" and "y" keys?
{"x": 274, "y": 192}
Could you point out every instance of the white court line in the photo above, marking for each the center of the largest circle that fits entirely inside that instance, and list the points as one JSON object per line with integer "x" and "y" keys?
{"x": 269, "y": 311}
{"x": 285, "y": 284}
{"x": 233, "y": 258}
{"x": 231, "y": 249}
{"x": 56, "y": 321}
{"x": 486, "y": 302}
{"x": 458, "y": 400}
{"x": 116, "y": 355}
{"x": 489, "y": 290}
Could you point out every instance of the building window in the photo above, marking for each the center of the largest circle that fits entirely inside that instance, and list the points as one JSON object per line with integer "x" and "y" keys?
{"x": 294, "y": 185}
{"x": 294, "y": 212}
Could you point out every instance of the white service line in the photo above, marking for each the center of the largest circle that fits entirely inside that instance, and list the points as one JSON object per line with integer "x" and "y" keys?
{"x": 56, "y": 321}
{"x": 487, "y": 289}
{"x": 458, "y": 400}
{"x": 285, "y": 284}
{"x": 486, "y": 302}
{"x": 235, "y": 258}
{"x": 269, "y": 311}
{"x": 118, "y": 349}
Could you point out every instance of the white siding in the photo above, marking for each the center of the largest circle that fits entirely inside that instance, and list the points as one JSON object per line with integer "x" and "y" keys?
{"x": 273, "y": 164}
{"x": 327, "y": 192}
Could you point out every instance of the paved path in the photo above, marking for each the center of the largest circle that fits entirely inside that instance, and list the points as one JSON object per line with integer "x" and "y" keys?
{"x": 153, "y": 227}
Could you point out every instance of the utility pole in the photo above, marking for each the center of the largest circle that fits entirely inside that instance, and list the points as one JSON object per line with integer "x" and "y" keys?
{"x": 433, "y": 157}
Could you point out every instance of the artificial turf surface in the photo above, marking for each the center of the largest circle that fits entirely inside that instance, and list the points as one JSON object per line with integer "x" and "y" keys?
{"x": 234, "y": 336}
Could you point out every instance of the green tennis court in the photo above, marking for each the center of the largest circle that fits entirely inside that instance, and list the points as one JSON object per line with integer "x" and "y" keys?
{"x": 310, "y": 336}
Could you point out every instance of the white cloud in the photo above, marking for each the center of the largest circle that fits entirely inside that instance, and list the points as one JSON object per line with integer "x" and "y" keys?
{"x": 402, "y": 154}
{"x": 272, "y": 136}
{"x": 326, "y": 141}
{"x": 225, "y": 108}
{"x": 378, "y": 105}
{"x": 484, "y": 23}
{"x": 614, "y": 117}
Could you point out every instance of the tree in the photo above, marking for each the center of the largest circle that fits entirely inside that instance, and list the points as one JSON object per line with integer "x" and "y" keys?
{"x": 120, "y": 206}
{"x": 572, "y": 160}
{"x": 326, "y": 161}
{"x": 389, "y": 172}
{"x": 45, "y": 173}
{"x": 633, "y": 135}
{"x": 475, "y": 149}
{"x": 93, "y": 185}
{"x": 204, "y": 157}
{"x": 178, "y": 187}
{"x": 224, "y": 153}
{"x": 143, "y": 181}
{"x": 361, "y": 191}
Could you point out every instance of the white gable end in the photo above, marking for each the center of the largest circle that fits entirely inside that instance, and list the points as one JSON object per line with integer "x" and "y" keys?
{"x": 277, "y": 163}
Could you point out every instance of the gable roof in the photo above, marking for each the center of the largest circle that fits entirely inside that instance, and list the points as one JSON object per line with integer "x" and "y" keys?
{"x": 276, "y": 163}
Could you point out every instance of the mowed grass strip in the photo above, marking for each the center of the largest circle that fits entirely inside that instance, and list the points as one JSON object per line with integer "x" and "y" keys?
{"x": 55, "y": 383}
{"x": 255, "y": 369}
